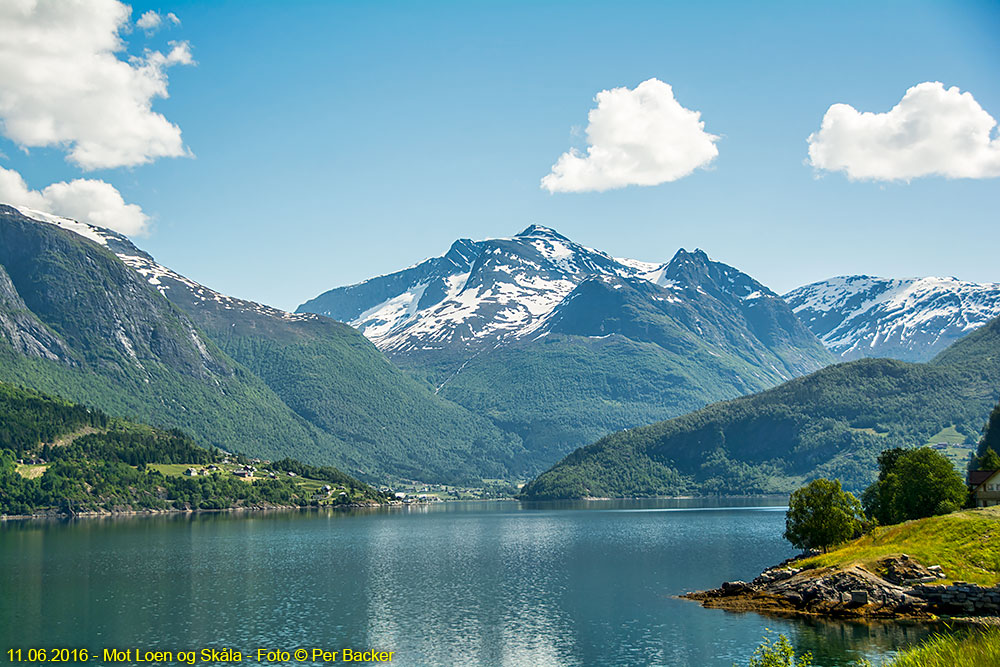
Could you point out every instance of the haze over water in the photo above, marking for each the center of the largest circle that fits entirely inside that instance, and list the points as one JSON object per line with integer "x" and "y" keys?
{"x": 448, "y": 584}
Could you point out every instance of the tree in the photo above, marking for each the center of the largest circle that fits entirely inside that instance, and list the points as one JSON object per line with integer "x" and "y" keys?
{"x": 913, "y": 484}
{"x": 991, "y": 434}
{"x": 990, "y": 460}
{"x": 822, "y": 514}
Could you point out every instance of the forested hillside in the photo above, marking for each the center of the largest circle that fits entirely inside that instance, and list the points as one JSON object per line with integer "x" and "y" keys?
{"x": 559, "y": 344}
{"x": 830, "y": 423}
{"x": 59, "y": 457}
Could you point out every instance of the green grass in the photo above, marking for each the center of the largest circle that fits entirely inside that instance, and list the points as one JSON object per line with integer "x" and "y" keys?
{"x": 966, "y": 544}
{"x": 949, "y": 435}
{"x": 975, "y": 648}
{"x": 957, "y": 447}
{"x": 31, "y": 471}
{"x": 172, "y": 469}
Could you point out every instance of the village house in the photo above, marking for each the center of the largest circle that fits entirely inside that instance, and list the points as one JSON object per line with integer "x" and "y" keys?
{"x": 985, "y": 485}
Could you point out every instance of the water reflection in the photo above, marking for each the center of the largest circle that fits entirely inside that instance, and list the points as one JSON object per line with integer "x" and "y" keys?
{"x": 590, "y": 583}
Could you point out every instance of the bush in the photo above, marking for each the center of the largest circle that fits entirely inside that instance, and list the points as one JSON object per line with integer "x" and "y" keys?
{"x": 778, "y": 653}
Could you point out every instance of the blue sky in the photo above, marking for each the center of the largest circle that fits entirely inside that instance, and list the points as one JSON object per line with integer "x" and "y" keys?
{"x": 336, "y": 141}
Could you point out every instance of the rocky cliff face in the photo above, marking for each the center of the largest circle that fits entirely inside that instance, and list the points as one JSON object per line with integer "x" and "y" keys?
{"x": 23, "y": 332}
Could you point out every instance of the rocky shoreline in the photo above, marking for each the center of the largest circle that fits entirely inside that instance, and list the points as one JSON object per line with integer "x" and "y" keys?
{"x": 901, "y": 588}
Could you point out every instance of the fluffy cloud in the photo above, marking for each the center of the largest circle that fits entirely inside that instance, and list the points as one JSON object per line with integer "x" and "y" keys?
{"x": 83, "y": 199}
{"x": 932, "y": 131}
{"x": 635, "y": 137}
{"x": 151, "y": 21}
{"x": 65, "y": 81}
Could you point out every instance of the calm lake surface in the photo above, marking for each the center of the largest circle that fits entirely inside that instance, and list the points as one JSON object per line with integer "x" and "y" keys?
{"x": 448, "y": 584}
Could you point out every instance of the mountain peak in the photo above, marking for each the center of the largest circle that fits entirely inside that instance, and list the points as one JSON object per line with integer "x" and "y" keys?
{"x": 911, "y": 319}
{"x": 697, "y": 255}
{"x": 538, "y": 231}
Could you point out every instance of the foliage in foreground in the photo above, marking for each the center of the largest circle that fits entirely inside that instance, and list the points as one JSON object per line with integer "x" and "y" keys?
{"x": 970, "y": 648}
{"x": 974, "y": 648}
{"x": 777, "y": 652}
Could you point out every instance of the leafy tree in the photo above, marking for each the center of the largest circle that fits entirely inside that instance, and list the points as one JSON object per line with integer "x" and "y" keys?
{"x": 821, "y": 514}
{"x": 913, "y": 484}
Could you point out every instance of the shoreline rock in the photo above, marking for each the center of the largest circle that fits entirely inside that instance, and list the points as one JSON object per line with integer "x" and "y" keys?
{"x": 899, "y": 591}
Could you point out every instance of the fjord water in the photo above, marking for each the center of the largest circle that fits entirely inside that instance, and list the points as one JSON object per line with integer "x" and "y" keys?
{"x": 447, "y": 584}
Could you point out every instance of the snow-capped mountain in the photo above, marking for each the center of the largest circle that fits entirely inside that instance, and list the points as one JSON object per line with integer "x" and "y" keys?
{"x": 561, "y": 343}
{"x": 478, "y": 293}
{"x": 482, "y": 294}
{"x": 910, "y": 319}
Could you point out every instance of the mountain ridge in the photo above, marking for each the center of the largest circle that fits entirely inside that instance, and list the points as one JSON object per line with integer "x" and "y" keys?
{"x": 911, "y": 319}
{"x": 560, "y": 343}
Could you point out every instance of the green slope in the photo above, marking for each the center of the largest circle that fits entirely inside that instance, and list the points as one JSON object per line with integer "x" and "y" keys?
{"x": 830, "y": 423}
{"x": 75, "y": 321}
{"x": 391, "y": 425}
{"x": 622, "y": 353}
{"x": 386, "y": 424}
{"x": 84, "y": 460}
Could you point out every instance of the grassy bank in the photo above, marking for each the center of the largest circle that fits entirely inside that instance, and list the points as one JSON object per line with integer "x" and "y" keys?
{"x": 964, "y": 649}
{"x": 966, "y": 544}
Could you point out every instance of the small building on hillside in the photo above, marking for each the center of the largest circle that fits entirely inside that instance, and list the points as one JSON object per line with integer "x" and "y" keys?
{"x": 985, "y": 485}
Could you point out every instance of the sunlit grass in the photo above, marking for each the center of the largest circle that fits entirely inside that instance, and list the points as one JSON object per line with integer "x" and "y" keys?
{"x": 966, "y": 544}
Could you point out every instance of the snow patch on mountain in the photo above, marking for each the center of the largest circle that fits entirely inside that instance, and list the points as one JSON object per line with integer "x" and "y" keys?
{"x": 96, "y": 234}
{"x": 910, "y": 319}
{"x": 499, "y": 289}
{"x": 155, "y": 274}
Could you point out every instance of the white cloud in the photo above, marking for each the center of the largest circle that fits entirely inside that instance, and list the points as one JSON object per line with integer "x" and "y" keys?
{"x": 150, "y": 20}
{"x": 65, "y": 81}
{"x": 635, "y": 137}
{"x": 83, "y": 199}
{"x": 932, "y": 131}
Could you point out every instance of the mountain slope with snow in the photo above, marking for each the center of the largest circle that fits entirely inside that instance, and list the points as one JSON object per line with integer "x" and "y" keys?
{"x": 482, "y": 294}
{"x": 327, "y": 395}
{"x": 560, "y": 343}
{"x": 77, "y": 322}
{"x": 909, "y": 319}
